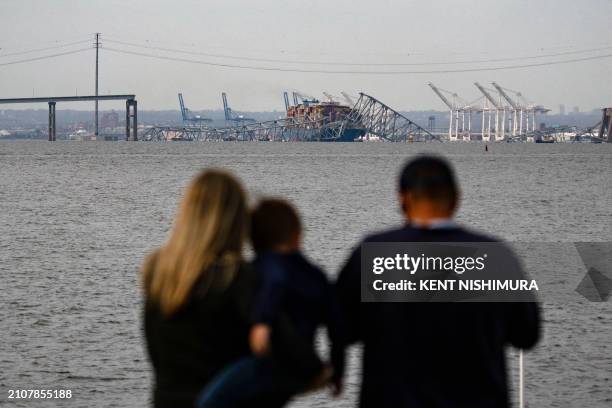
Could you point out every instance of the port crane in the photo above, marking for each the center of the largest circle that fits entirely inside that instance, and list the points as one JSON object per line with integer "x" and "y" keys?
{"x": 458, "y": 105}
{"x": 524, "y": 109}
{"x": 499, "y": 130}
{"x": 517, "y": 110}
{"x": 231, "y": 116}
{"x": 286, "y": 98}
{"x": 450, "y": 105}
{"x": 188, "y": 118}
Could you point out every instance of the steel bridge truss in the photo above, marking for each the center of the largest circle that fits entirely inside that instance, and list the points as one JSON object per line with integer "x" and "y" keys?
{"x": 281, "y": 130}
{"x": 375, "y": 119}
{"x": 383, "y": 122}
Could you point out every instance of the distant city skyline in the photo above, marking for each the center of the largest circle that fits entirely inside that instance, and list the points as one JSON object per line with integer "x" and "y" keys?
{"x": 407, "y": 36}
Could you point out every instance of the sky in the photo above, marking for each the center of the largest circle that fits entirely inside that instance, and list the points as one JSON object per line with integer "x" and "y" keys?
{"x": 335, "y": 32}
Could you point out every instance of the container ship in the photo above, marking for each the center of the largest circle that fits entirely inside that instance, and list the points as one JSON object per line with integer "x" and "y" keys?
{"x": 321, "y": 121}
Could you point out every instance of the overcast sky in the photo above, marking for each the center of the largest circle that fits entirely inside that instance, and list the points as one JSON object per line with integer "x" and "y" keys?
{"x": 313, "y": 30}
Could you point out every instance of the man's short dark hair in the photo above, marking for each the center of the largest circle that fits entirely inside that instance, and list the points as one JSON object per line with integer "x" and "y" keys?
{"x": 430, "y": 177}
{"x": 274, "y": 222}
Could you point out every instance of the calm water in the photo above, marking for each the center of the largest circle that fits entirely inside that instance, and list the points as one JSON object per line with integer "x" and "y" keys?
{"x": 77, "y": 218}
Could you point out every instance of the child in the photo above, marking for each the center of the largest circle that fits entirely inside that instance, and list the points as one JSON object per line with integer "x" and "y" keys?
{"x": 293, "y": 293}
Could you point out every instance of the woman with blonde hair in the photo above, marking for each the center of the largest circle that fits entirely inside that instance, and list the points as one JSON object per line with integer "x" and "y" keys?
{"x": 198, "y": 290}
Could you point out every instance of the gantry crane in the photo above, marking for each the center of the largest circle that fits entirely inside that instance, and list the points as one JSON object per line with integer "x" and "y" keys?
{"x": 231, "y": 116}
{"x": 458, "y": 105}
{"x": 188, "y": 118}
{"x": 499, "y": 133}
{"x": 450, "y": 106}
{"x": 524, "y": 108}
{"x": 517, "y": 110}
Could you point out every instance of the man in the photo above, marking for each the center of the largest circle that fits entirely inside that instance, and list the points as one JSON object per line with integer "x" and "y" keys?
{"x": 432, "y": 354}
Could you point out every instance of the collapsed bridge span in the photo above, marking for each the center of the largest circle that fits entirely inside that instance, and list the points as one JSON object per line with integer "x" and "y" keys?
{"x": 369, "y": 119}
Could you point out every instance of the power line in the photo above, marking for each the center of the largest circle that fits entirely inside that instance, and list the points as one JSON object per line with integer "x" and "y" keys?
{"x": 284, "y": 51}
{"x": 44, "y": 41}
{"x": 381, "y": 64}
{"x": 44, "y": 57}
{"x": 300, "y": 70}
{"x": 303, "y": 62}
{"x": 335, "y": 53}
{"x": 42, "y": 49}
{"x": 316, "y": 71}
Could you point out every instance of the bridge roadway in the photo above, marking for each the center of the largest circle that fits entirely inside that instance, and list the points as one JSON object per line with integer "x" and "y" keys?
{"x": 131, "y": 109}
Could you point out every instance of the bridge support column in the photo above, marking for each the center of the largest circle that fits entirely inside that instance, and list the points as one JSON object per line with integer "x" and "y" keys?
{"x": 605, "y": 130}
{"x": 131, "y": 120}
{"x": 52, "y": 121}
{"x": 609, "y": 125}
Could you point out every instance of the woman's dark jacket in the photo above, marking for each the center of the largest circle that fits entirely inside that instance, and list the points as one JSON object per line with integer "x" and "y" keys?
{"x": 211, "y": 330}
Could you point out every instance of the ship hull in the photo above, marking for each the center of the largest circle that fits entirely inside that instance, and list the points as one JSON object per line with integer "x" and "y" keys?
{"x": 348, "y": 135}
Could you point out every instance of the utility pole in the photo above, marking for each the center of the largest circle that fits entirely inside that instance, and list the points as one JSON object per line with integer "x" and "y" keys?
{"x": 97, "y": 45}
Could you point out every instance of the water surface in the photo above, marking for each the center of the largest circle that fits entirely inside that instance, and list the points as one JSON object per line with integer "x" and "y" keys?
{"x": 76, "y": 220}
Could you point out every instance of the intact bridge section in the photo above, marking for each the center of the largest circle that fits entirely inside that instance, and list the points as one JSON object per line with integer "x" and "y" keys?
{"x": 131, "y": 110}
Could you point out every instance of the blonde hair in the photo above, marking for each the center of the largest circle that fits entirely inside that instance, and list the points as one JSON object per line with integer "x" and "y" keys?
{"x": 209, "y": 230}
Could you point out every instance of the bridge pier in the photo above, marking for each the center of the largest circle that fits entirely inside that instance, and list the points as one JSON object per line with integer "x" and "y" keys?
{"x": 605, "y": 131}
{"x": 131, "y": 120}
{"x": 52, "y": 100}
{"x": 52, "y": 127}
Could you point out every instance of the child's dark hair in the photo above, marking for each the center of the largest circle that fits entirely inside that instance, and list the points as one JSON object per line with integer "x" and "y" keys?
{"x": 274, "y": 221}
